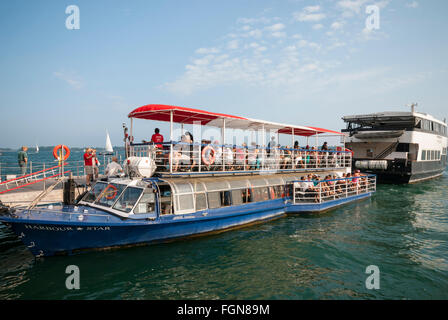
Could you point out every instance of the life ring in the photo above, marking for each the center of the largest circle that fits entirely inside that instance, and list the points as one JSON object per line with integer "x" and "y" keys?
{"x": 57, "y": 156}
{"x": 113, "y": 194}
{"x": 210, "y": 159}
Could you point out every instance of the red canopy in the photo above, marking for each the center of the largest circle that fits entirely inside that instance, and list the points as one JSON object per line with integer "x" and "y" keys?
{"x": 160, "y": 112}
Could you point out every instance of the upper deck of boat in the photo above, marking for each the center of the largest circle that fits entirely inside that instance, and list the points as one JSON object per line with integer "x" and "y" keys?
{"x": 207, "y": 156}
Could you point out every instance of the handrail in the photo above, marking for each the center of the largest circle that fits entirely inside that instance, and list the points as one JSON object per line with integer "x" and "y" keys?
{"x": 31, "y": 174}
{"x": 35, "y": 181}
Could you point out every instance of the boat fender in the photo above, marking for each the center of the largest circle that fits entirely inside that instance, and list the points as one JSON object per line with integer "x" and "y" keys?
{"x": 57, "y": 156}
{"x": 210, "y": 159}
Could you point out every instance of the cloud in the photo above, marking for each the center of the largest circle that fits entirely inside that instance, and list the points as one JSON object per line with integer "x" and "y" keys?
{"x": 336, "y": 25}
{"x": 350, "y": 7}
{"x": 207, "y": 50}
{"x": 318, "y": 26}
{"x": 276, "y": 27}
{"x": 71, "y": 80}
{"x": 309, "y": 14}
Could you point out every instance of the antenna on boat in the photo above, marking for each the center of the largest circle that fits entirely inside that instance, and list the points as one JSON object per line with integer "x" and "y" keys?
{"x": 413, "y": 105}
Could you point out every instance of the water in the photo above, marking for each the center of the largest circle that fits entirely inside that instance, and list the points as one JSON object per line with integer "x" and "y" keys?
{"x": 402, "y": 229}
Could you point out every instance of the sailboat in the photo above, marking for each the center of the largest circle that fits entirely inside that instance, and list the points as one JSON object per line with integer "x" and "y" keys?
{"x": 108, "y": 150}
{"x": 37, "y": 148}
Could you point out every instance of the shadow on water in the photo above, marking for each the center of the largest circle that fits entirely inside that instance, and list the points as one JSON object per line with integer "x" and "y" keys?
{"x": 401, "y": 229}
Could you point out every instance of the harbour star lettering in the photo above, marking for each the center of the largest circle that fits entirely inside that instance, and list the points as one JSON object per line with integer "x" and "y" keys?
{"x": 194, "y": 310}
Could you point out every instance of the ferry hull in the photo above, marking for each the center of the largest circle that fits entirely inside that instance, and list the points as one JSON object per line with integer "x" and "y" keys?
{"x": 411, "y": 173}
{"x": 52, "y": 238}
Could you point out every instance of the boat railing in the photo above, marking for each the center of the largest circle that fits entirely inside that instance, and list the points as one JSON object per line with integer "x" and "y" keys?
{"x": 177, "y": 157}
{"x": 320, "y": 191}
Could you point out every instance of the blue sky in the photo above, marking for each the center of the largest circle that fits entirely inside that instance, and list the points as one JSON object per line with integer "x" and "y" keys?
{"x": 298, "y": 62}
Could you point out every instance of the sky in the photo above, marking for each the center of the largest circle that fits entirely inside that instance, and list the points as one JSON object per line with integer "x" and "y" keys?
{"x": 292, "y": 61}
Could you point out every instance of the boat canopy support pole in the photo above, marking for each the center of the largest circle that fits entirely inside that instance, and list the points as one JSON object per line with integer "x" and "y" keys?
{"x": 223, "y": 134}
{"x": 292, "y": 147}
{"x": 171, "y": 141}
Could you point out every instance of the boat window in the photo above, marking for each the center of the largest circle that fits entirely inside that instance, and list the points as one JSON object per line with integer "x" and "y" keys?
{"x": 258, "y": 182}
{"x": 214, "y": 200}
{"x": 184, "y": 203}
{"x": 110, "y": 194}
{"x": 433, "y": 155}
{"x": 237, "y": 197}
{"x": 238, "y": 184}
{"x": 128, "y": 199}
{"x": 198, "y": 186}
{"x": 216, "y": 185}
{"x": 183, "y": 187}
{"x": 423, "y": 154}
{"x": 165, "y": 199}
{"x": 226, "y": 199}
{"x": 275, "y": 181}
{"x": 94, "y": 192}
{"x": 201, "y": 201}
{"x": 146, "y": 203}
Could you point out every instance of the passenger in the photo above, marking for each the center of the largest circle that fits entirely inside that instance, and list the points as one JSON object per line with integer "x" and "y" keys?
{"x": 22, "y": 159}
{"x": 157, "y": 138}
{"x": 240, "y": 157}
{"x": 228, "y": 158}
{"x": 113, "y": 168}
{"x": 180, "y": 154}
{"x": 252, "y": 156}
{"x": 287, "y": 158}
{"x": 218, "y": 155}
{"x": 88, "y": 165}
{"x": 271, "y": 145}
{"x": 324, "y": 146}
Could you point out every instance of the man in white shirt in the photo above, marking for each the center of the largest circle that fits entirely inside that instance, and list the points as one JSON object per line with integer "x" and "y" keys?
{"x": 113, "y": 168}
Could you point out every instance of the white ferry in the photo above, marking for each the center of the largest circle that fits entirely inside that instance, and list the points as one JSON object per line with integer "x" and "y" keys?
{"x": 399, "y": 147}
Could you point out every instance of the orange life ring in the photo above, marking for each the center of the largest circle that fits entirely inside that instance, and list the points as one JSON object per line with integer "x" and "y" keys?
{"x": 56, "y": 149}
{"x": 210, "y": 159}
{"x": 113, "y": 195}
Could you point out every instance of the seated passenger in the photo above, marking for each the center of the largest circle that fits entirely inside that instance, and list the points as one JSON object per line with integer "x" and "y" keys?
{"x": 252, "y": 156}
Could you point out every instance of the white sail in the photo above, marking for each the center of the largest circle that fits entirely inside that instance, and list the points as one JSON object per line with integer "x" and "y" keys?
{"x": 108, "y": 143}
{"x": 37, "y": 148}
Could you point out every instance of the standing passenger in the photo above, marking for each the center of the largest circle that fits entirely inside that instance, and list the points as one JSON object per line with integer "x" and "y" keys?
{"x": 22, "y": 158}
{"x": 88, "y": 164}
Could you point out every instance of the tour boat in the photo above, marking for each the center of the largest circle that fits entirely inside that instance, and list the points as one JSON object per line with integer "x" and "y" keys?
{"x": 189, "y": 188}
{"x": 399, "y": 147}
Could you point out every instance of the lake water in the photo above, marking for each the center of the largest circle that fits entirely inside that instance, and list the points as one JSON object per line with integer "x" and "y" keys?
{"x": 402, "y": 229}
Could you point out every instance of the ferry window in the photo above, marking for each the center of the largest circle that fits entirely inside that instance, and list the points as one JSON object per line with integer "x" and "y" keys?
{"x": 247, "y": 195}
{"x": 237, "y": 197}
{"x": 279, "y": 191}
{"x": 165, "y": 199}
{"x": 433, "y": 155}
{"x": 110, "y": 194}
{"x": 423, "y": 154}
{"x": 201, "y": 201}
{"x": 214, "y": 200}
{"x": 272, "y": 193}
{"x": 216, "y": 185}
{"x": 438, "y": 155}
{"x": 185, "y": 202}
{"x": 128, "y": 199}
{"x": 94, "y": 192}
{"x": 183, "y": 187}
{"x": 264, "y": 194}
{"x": 225, "y": 198}
{"x": 146, "y": 203}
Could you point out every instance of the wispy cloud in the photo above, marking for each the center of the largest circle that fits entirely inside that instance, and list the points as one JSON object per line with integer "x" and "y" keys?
{"x": 309, "y": 14}
{"x": 72, "y": 80}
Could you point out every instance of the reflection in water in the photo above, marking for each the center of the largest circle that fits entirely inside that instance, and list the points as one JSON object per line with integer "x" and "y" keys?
{"x": 402, "y": 230}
